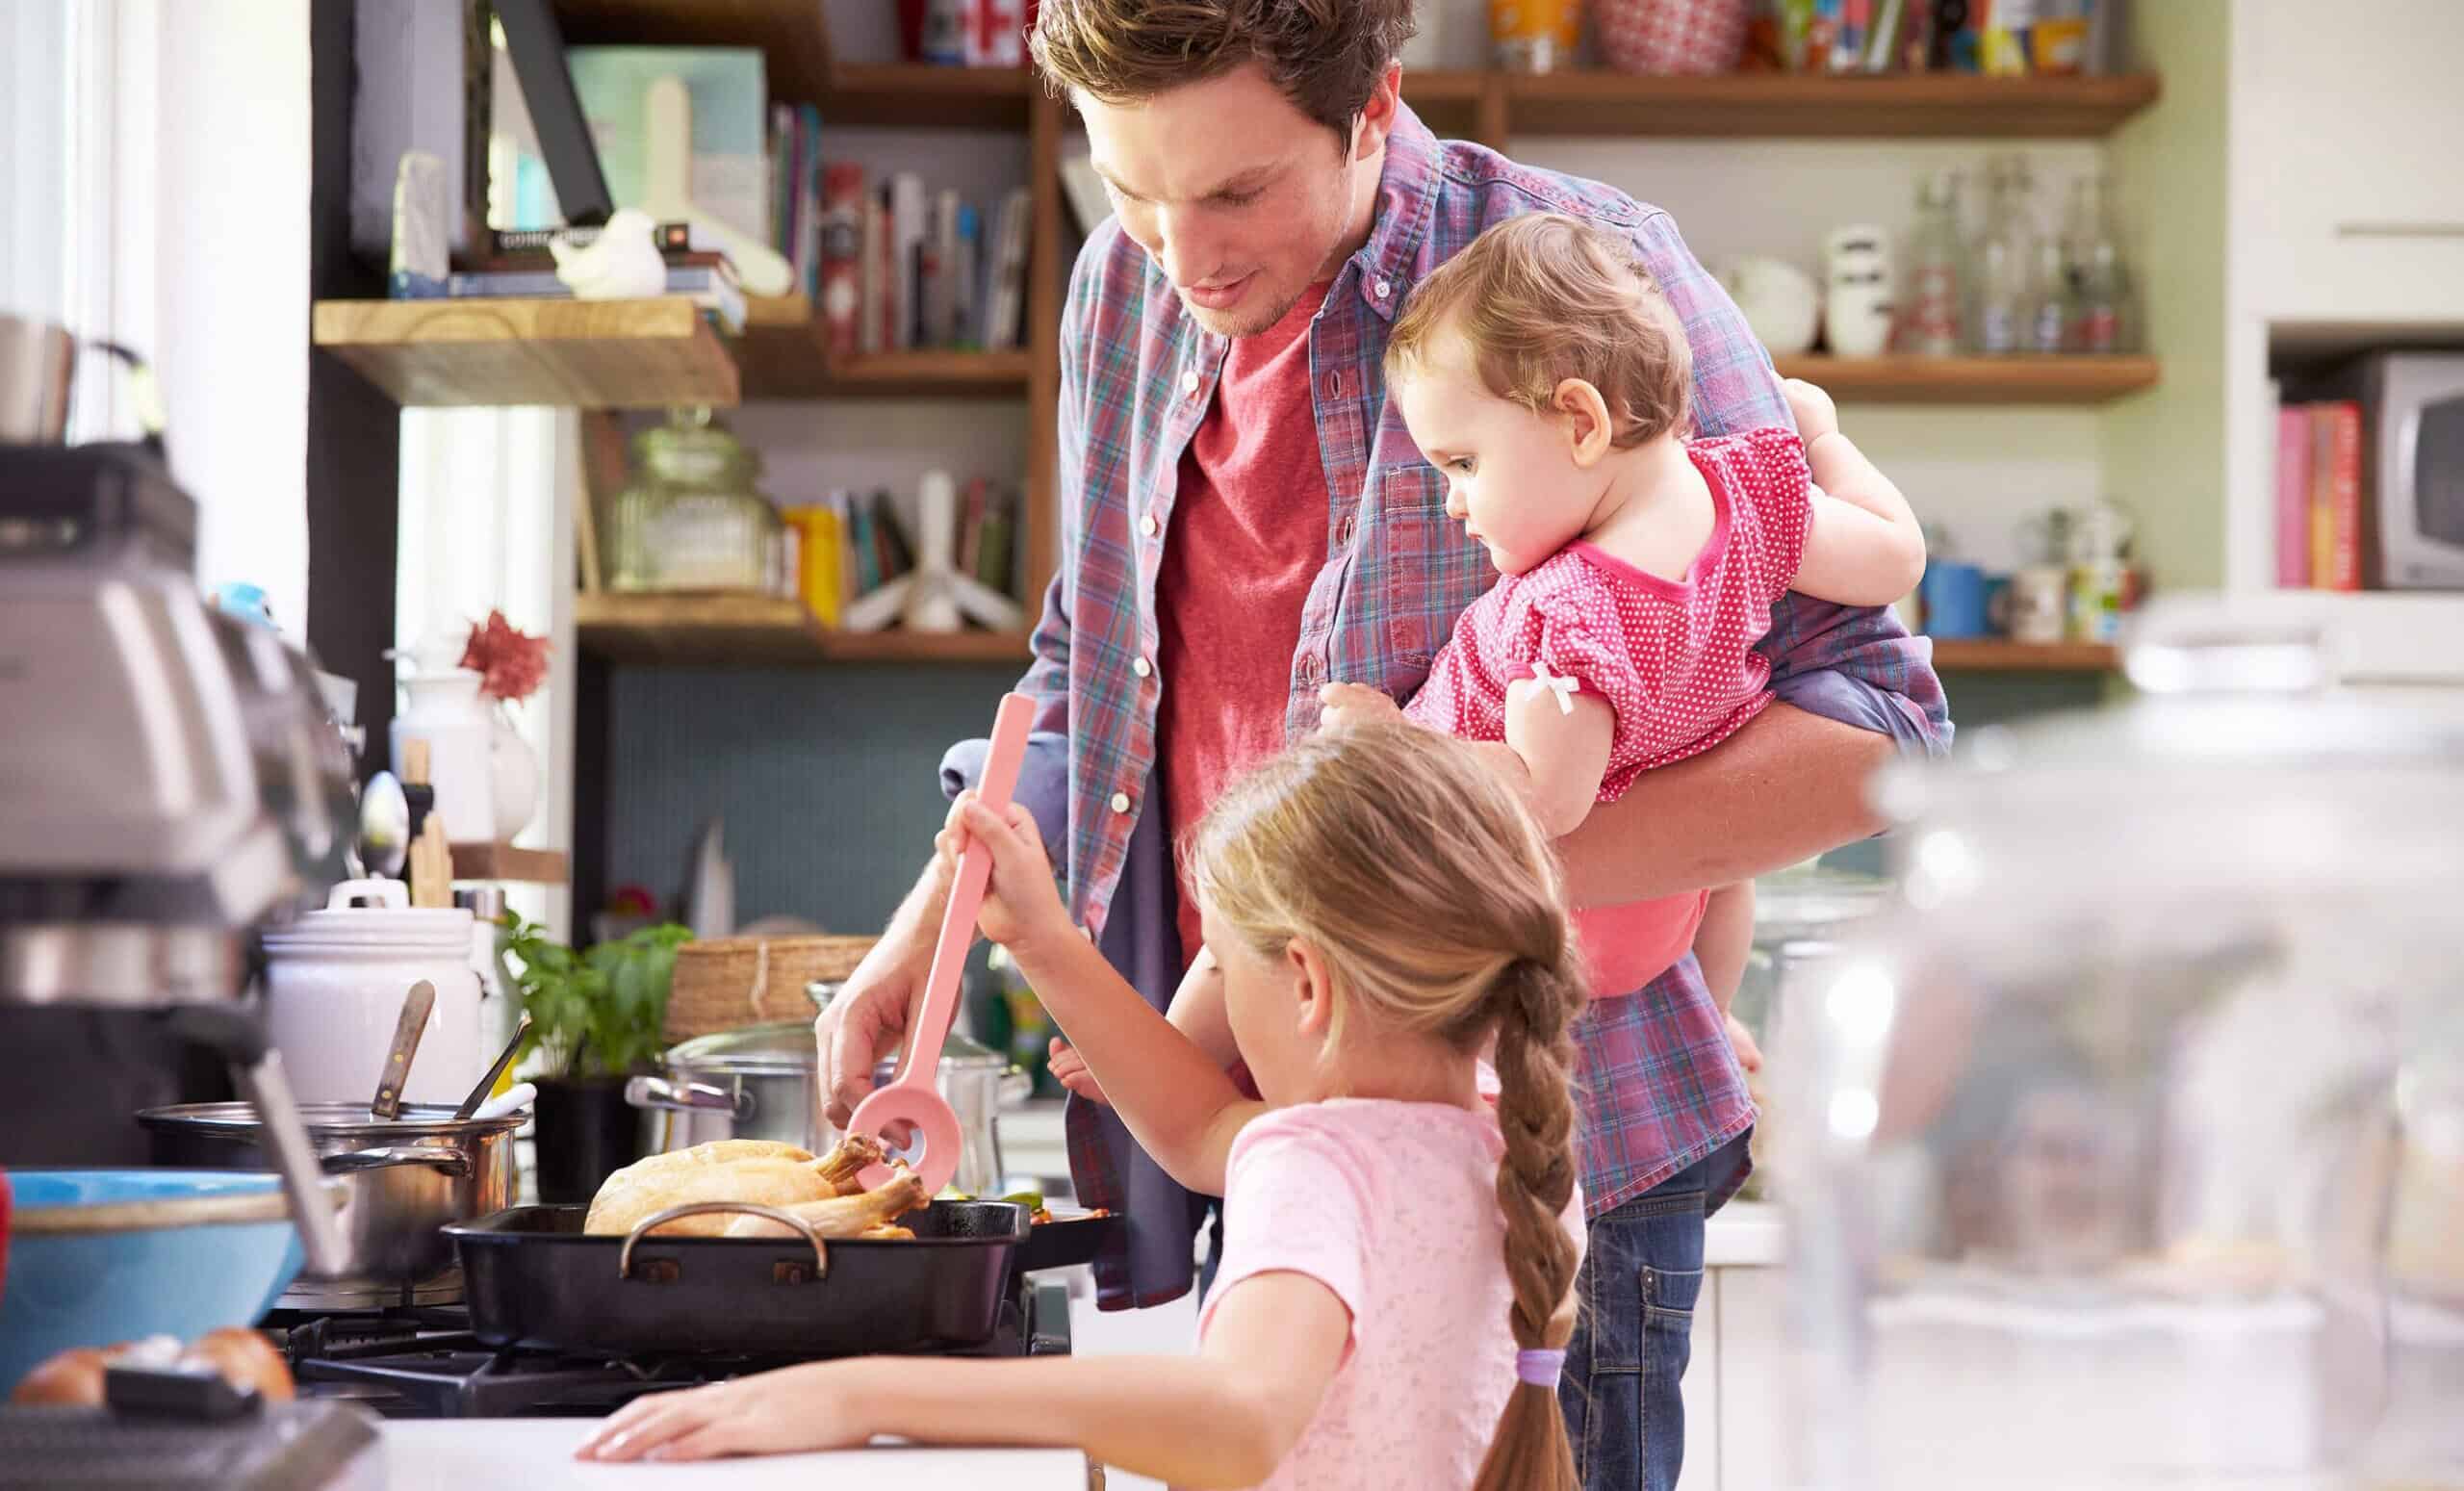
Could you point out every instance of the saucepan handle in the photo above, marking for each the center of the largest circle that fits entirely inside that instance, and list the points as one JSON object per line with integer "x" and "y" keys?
{"x": 451, "y": 1162}
{"x": 658, "y": 1220}
{"x": 685, "y": 1096}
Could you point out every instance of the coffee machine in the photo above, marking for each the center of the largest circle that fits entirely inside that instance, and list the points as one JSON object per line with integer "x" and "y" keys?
{"x": 172, "y": 785}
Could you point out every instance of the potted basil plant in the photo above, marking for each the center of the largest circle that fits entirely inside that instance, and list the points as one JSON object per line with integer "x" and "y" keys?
{"x": 595, "y": 1021}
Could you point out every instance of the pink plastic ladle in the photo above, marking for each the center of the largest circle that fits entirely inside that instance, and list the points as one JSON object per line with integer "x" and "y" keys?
{"x": 911, "y": 1097}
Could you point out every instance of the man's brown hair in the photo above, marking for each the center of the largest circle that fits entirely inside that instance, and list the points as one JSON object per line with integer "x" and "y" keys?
{"x": 1326, "y": 56}
{"x": 1542, "y": 297}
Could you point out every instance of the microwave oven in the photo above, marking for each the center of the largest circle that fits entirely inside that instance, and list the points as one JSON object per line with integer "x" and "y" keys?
{"x": 2412, "y": 413}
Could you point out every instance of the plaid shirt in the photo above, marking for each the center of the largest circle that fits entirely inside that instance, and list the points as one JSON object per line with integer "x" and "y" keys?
{"x": 1136, "y": 376}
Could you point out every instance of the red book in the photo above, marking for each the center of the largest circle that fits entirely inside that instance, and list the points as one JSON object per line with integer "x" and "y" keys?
{"x": 2293, "y": 497}
{"x": 2344, "y": 496}
{"x": 842, "y": 256}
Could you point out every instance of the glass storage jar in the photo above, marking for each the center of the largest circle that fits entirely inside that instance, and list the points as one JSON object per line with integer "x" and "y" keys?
{"x": 692, "y": 518}
{"x": 2126, "y": 1147}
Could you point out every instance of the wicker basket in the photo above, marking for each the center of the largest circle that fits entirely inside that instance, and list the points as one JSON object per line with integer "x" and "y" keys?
{"x": 729, "y": 983}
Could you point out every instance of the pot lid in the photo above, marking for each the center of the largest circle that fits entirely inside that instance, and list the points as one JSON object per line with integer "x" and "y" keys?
{"x": 426, "y": 929}
{"x": 787, "y": 1047}
{"x": 330, "y": 1121}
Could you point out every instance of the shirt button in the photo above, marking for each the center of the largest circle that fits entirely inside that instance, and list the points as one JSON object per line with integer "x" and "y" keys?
{"x": 1149, "y": 526}
{"x": 1343, "y": 531}
{"x": 1143, "y": 668}
{"x": 1384, "y": 289}
{"x": 1334, "y": 384}
{"x": 1121, "y": 802}
{"x": 1189, "y": 383}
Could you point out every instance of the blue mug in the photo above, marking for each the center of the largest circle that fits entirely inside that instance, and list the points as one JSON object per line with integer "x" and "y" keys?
{"x": 1954, "y": 596}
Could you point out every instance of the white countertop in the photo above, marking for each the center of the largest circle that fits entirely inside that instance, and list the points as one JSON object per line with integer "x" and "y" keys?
{"x": 458, "y": 1455}
{"x": 1745, "y": 1235}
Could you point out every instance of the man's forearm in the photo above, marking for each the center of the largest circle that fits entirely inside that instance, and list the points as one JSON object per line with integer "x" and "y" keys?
{"x": 1788, "y": 786}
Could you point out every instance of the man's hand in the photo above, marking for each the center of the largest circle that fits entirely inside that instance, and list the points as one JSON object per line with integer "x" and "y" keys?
{"x": 1353, "y": 706}
{"x": 1815, "y": 414}
{"x": 868, "y": 1019}
{"x": 1749, "y": 1055}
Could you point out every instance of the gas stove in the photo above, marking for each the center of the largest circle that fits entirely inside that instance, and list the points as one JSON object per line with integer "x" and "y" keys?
{"x": 425, "y": 1363}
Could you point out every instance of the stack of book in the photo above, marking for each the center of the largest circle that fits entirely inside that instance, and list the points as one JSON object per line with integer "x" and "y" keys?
{"x": 850, "y": 544}
{"x": 518, "y": 263}
{"x": 902, "y": 268}
{"x": 2318, "y": 495}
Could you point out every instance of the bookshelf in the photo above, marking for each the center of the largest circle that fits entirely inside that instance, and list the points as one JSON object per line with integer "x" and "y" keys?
{"x": 602, "y": 354}
{"x": 751, "y": 630}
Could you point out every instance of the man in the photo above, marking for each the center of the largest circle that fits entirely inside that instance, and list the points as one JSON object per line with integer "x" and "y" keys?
{"x": 1246, "y": 521}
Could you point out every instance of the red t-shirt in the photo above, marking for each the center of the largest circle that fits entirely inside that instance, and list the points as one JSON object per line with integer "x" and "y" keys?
{"x": 1248, "y": 536}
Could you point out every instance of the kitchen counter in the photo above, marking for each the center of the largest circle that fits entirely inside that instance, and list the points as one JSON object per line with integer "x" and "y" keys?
{"x": 1745, "y": 1235}
{"x": 456, "y": 1454}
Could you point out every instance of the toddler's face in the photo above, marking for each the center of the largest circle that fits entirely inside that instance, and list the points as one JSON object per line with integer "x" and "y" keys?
{"x": 1511, "y": 479}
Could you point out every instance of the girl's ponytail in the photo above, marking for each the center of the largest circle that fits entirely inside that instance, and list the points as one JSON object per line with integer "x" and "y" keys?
{"x": 1535, "y": 1002}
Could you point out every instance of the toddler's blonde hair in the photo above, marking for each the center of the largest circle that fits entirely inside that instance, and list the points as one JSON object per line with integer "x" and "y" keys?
{"x": 1542, "y": 297}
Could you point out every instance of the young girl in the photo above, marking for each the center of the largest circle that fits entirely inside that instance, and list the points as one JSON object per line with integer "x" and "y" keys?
{"x": 1543, "y": 374}
{"x": 1396, "y": 1290}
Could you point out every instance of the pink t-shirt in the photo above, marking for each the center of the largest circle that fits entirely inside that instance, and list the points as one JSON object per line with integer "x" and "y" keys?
{"x": 1674, "y": 659}
{"x": 1392, "y": 1207}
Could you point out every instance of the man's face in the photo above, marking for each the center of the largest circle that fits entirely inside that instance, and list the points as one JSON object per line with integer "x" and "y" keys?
{"x": 1236, "y": 195}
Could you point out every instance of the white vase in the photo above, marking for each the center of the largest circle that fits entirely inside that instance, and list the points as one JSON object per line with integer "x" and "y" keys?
{"x": 513, "y": 776}
{"x": 447, "y": 712}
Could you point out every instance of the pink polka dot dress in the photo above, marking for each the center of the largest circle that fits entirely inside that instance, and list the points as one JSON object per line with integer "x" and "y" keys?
{"x": 1674, "y": 659}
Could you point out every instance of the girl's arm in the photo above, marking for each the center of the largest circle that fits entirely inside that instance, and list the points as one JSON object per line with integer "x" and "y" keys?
{"x": 1224, "y": 1417}
{"x": 1177, "y": 1100}
{"x": 1863, "y": 544}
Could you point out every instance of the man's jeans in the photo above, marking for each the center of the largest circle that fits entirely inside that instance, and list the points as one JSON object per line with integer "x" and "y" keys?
{"x": 1641, "y": 1274}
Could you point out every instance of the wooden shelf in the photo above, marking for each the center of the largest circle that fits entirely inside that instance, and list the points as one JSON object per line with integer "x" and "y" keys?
{"x": 909, "y": 96}
{"x": 1993, "y": 655}
{"x": 1974, "y": 380}
{"x": 506, "y": 862}
{"x": 591, "y": 354}
{"x": 795, "y": 49}
{"x": 782, "y": 356}
{"x": 746, "y": 630}
{"x": 1772, "y": 104}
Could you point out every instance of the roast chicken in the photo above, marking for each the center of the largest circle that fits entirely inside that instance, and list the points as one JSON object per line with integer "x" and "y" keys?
{"x": 761, "y": 1173}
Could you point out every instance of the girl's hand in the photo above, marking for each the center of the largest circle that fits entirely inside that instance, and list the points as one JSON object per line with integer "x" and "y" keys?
{"x": 1021, "y": 904}
{"x": 770, "y": 1413}
{"x": 1353, "y": 706}
{"x": 1815, "y": 414}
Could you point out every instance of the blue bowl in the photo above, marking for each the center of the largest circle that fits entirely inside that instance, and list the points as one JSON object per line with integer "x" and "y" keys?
{"x": 97, "y": 1257}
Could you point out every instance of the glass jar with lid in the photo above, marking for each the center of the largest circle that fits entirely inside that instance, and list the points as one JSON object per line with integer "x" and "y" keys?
{"x": 2126, "y": 1146}
{"x": 692, "y": 518}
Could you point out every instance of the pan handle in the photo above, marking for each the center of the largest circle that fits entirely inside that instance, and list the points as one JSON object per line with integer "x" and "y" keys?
{"x": 451, "y": 1162}
{"x": 685, "y": 1097}
{"x": 658, "y": 1220}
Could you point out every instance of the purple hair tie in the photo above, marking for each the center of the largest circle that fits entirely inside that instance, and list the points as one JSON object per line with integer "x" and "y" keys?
{"x": 1540, "y": 1366}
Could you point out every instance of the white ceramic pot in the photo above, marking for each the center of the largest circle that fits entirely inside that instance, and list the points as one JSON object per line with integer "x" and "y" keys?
{"x": 335, "y": 983}
{"x": 1857, "y": 309}
{"x": 447, "y": 712}
{"x": 513, "y": 778}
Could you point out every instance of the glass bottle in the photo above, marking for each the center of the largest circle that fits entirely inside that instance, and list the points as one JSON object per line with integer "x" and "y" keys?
{"x": 2049, "y": 300}
{"x": 703, "y": 526}
{"x": 2004, "y": 260}
{"x": 1930, "y": 328}
{"x": 2103, "y": 316}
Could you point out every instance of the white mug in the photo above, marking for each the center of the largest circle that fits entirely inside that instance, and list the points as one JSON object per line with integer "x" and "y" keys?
{"x": 2040, "y": 601}
{"x": 1856, "y": 310}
